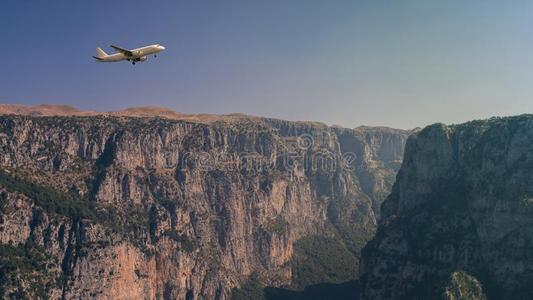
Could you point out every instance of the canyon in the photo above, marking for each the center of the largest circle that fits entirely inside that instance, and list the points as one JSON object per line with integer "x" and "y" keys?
{"x": 152, "y": 204}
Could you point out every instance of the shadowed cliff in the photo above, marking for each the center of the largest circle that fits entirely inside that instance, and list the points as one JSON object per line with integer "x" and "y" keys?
{"x": 458, "y": 220}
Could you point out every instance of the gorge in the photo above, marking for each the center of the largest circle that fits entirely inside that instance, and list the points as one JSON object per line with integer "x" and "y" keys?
{"x": 136, "y": 204}
{"x": 129, "y": 206}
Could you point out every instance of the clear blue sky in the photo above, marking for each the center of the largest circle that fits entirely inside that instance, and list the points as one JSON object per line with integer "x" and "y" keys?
{"x": 399, "y": 63}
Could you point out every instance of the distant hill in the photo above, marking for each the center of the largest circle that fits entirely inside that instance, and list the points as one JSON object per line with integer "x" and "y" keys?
{"x": 144, "y": 111}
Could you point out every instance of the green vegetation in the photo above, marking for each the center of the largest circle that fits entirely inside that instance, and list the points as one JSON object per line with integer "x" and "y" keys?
{"x": 346, "y": 290}
{"x": 252, "y": 289}
{"x": 320, "y": 259}
{"x": 28, "y": 264}
{"x": 133, "y": 226}
{"x": 49, "y": 199}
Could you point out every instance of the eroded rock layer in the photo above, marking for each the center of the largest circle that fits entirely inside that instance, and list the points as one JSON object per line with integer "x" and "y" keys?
{"x": 150, "y": 208}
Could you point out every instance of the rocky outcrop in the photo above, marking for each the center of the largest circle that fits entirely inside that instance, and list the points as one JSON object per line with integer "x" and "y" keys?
{"x": 461, "y": 201}
{"x": 462, "y": 286}
{"x": 125, "y": 208}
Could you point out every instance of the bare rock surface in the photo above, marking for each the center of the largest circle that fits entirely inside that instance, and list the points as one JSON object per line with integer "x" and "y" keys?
{"x": 121, "y": 207}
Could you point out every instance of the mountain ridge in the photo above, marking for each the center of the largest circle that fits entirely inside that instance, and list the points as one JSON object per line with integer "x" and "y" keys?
{"x": 50, "y": 110}
{"x": 127, "y": 207}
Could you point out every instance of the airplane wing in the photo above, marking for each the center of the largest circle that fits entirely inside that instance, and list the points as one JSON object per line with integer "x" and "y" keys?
{"x": 122, "y": 50}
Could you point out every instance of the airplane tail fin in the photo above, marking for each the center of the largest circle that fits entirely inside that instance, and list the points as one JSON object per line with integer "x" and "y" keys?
{"x": 100, "y": 53}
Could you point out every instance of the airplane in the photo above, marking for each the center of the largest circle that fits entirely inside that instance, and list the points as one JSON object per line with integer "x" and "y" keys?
{"x": 135, "y": 55}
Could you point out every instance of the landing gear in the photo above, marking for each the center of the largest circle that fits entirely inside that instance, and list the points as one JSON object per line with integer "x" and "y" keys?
{"x": 132, "y": 62}
{"x": 155, "y": 55}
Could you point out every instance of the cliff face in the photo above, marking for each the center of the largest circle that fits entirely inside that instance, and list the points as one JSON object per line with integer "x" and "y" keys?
{"x": 460, "y": 208}
{"x": 125, "y": 208}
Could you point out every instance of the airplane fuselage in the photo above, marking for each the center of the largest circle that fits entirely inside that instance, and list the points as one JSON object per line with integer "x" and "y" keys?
{"x": 138, "y": 54}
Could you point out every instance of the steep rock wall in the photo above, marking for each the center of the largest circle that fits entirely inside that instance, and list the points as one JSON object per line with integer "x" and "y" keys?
{"x": 461, "y": 203}
{"x": 123, "y": 208}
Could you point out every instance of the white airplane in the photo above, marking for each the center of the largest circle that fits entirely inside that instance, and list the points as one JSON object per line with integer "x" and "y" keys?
{"x": 139, "y": 54}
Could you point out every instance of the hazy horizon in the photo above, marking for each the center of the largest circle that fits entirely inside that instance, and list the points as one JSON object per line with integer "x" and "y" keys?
{"x": 349, "y": 63}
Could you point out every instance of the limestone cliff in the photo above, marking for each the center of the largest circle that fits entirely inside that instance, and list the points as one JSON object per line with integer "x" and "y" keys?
{"x": 115, "y": 207}
{"x": 462, "y": 202}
